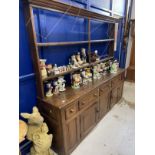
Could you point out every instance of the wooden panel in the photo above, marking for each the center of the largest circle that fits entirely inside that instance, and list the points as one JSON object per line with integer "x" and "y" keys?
{"x": 105, "y": 92}
{"x": 120, "y": 91}
{"x": 71, "y": 110}
{"x": 72, "y": 134}
{"x": 88, "y": 99}
{"x": 88, "y": 119}
{"x": 113, "y": 97}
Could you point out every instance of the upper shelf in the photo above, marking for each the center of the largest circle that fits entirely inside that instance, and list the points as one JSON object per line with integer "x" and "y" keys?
{"x": 70, "y": 9}
{"x": 72, "y": 43}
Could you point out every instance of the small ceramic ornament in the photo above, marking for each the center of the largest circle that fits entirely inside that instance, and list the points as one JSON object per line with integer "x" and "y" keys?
{"x": 61, "y": 84}
{"x": 49, "y": 90}
{"x": 88, "y": 74}
{"x": 114, "y": 67}
{"x": 56, "y": 87}
{"x": 75, "y": 64}
{"x": 84, "y": 77}
{"x": 78, "y": 58}
{"x": 76, "y": 81}
{"x": 96, "y": 74}
{"x": 43, "y": 68}
{"x": 94, "y": 56}
{"x": 55, "y": 69}
{"x": 84, "y": 56}
{"x": 49, "y": 69}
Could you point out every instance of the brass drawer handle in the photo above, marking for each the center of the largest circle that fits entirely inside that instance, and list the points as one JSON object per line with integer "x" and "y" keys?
{"x": 82, "y": 103}
{"x": 50, "y": 111}
{"x": 72, "y": 110}
{"x": 95, "y": 95}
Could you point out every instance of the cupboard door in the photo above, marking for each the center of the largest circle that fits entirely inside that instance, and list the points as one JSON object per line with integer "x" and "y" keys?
{"x": 88, "y": 119}
{"x": 120, "y": 91}
{"x": 114, "y": 98}
{"x": 104, "y": 103}
{"x": 72, "y": 134}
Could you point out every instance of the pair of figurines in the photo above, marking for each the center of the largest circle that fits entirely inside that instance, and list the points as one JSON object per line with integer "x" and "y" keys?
{"x": 76, "y": 81}
{"x": 77, "y": 61}
{"x": 59, "y": 86}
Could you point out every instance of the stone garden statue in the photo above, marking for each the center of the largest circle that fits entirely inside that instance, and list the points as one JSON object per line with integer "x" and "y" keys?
{"x": 38, "y": 133}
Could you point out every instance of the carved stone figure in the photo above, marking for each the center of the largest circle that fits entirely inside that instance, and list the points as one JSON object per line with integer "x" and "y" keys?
{"x": 37, "y": 133}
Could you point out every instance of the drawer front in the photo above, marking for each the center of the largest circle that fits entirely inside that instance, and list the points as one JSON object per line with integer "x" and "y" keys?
{"x": 71, "y": 110}
{"x": 88, "y": 98}
{"x": 116, "y": 80}
{"x": 105, "y": 87}
{"x": 49, "y": 111}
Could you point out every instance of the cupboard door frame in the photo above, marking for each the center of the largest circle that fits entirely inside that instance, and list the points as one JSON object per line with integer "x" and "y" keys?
{"x": 87, "y": 126}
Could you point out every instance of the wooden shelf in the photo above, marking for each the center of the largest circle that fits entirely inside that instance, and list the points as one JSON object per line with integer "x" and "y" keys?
{"x": 72, "y": 43}
{"x": 76, "y": 69}
{"x": 100, "y": 41}
{"x": 70, "y": 9}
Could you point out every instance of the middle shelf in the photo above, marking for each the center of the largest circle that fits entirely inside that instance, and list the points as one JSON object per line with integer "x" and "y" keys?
{"x": 76, "y": 69}
{"x": 72, "y": 42}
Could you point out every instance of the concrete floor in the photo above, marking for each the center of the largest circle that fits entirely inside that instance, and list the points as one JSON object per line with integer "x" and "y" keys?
{"x": 115, "y": 133}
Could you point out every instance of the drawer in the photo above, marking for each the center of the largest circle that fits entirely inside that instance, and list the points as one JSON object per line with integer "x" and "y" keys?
{"x": 88, "y": 98}
{"x": 48, "y": 110}
{"x": 71, "y": 110}
{"x": 105, "y": 87}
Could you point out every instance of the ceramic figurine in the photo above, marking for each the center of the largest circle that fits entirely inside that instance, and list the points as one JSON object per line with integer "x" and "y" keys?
{"x": 76, "y": 81}
{"x": 96, "y": 74}
{"x": 55, "y": 69}
{"x": 78, "y": 58}
{"x": 43, "y": 68}
{"x": 84, "y": 77}
{"x": 49, "y": 69}
{"x": 56, "y": 87}
{"x": 114, "y": 67}
{"x": 49, "y": 90}
{"x": 75, "y": 64}
{"x": 61, "y": 84}
{"x": 37, "y": 133}
{"x": 88, "y": 74}
{"x": 94, "y": 56}
{"x": 84, "y": 56}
